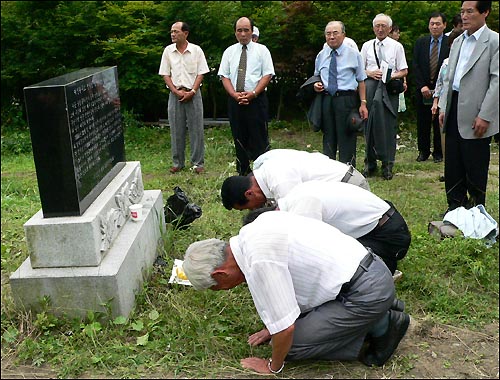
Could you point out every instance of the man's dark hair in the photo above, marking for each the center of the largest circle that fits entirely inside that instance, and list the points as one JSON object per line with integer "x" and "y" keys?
{"x": 253, "y": 214}
{"x": 233, "y": 191}
{"x": 251, "y": 23}
{"x": 395, "y": 28}
{"x": 482, "y": 6}
{"x": 438, "y": 14}
{"x": 457, "y": 19}
{"x": 184, "y": 25}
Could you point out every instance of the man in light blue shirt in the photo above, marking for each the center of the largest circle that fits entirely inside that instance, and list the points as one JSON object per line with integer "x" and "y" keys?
{"x": 247, "y": 102}
{"x": 342, "y": 88}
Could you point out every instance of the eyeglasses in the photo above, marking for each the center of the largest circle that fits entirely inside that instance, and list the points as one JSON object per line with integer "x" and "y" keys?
{"x": 335, "y": 33}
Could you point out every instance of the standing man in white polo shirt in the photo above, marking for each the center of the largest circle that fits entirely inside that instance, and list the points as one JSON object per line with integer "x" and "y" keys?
{"x": 183, "y": 65}
{"x": 246, "y": 69}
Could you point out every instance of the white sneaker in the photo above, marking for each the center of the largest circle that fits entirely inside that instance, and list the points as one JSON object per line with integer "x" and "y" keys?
{"x": 398, "y": 275}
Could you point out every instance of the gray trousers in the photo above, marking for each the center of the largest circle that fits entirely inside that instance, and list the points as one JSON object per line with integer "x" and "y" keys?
{"x": 182, "y": 117}
{"x": 382, "y": 126}
{"x": 337, "y": 329}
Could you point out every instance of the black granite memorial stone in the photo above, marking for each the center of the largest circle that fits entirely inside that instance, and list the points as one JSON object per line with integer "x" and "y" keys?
{"x": 77, "y": 138}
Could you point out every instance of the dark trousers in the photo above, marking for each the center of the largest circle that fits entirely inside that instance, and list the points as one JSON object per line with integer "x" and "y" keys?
{"x": 335, "y": 112}
{"x": 426, "y": 126}
{"x": 249, "y": 129}
{"x": 466, "y": 164}
{"x": 389, "y": 241}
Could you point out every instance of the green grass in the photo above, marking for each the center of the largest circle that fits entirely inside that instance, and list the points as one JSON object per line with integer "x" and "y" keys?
{"x": 175, "y": 331}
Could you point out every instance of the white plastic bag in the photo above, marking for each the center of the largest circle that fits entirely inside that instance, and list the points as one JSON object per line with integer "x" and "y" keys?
{"x": 178, "y": 276}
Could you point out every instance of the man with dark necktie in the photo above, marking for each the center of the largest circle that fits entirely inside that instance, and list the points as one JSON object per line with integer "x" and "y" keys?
{"x": 342, "y": 85}
{"x": 428, "y": 55}
{"x": 381, "y": 128}
{"x": 246, "y": 69}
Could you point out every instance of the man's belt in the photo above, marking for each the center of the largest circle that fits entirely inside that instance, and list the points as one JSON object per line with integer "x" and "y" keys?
{"x": 363, "y": 267}
{"x": 343, "y": 93}
{"x": 384, "y": 218}
{"x": 183, "y": 88}
{"x": 349, "y": 174}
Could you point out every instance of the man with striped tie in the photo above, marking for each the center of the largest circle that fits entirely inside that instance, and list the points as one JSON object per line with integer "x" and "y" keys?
{"x": 428, "y": 55}
{"x": 245, "y": 70}
{"x": 343, "y": 88}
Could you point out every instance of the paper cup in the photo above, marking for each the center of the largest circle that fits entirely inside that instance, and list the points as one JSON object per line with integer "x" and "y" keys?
{"x": 136, "y": 212}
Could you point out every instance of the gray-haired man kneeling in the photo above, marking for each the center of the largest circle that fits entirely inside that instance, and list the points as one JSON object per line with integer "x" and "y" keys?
{"x": 319, "y": 292}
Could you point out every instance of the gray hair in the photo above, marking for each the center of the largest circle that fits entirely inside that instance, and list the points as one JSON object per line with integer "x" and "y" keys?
{"x": 201, "y": 259}
{"x": 342, "y": 26}
{"x": 382, "y": 16}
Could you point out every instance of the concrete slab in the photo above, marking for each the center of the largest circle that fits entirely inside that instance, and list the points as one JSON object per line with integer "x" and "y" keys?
{"x": 112, "y": 284}
{"x": 76, "y": 241}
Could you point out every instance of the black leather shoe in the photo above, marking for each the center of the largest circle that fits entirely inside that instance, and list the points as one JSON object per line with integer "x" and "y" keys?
{"x": 387, "y": 174}
{"x": 422, "y": 157}
{"x": 381, "y": 348}
{"x": 438, "y": 158}
{"x": 398, "y": 305}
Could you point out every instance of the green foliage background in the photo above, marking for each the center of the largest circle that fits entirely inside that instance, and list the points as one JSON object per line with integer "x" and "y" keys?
{"x": 44, "y": 39}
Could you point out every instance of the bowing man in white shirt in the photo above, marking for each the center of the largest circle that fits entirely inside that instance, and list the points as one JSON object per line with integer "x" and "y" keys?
{"x": 315, "y": 301}
{"x": 356, "y": 212}
{"x": 277, "y": 172}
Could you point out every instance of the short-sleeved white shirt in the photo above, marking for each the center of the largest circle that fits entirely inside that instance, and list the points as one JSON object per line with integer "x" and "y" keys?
{"x": 259, "y": 64}
{"x": 351, "y": 209}
{"x": 293, "y": 264}
{"x": 394, "y": 54}
{"x": 277, "y": 176}
{"x": 183, "y": 68}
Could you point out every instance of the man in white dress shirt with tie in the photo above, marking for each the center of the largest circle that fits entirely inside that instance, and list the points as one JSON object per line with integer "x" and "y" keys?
{"x": 381, "y": 129}
{"x": 245, "y": 70}
{"x": 315, "y": 300}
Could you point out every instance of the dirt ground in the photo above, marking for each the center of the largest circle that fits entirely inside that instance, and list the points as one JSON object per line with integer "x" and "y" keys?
{"x": 428, "y": 351}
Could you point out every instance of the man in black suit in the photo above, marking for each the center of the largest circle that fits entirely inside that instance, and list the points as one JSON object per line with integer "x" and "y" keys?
{"x": 428, "y": 55}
